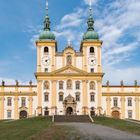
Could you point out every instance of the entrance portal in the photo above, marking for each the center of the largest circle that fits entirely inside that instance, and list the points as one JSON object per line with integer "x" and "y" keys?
{"x": 69, "y": 111}
{"x": 116, "y": 114}
{"x": 23, "y": 114}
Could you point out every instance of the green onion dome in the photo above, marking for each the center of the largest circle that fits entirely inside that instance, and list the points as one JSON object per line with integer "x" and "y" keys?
{"x": 91, "y": 35}
{"x": 47, "y": 35}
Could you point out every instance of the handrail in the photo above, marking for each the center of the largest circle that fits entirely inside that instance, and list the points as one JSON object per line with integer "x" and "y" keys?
{"x": 91, "y": 118}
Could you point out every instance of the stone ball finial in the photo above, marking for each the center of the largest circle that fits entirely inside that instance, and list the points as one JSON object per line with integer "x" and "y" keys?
{"x": 107, "y": 83}
{"x": 30, "y": 82}
{"x": 17, "y": 83}
{"x": 3, "y": 83}
{"x": 135, "y": 82}
{"x": 122, "y": 83}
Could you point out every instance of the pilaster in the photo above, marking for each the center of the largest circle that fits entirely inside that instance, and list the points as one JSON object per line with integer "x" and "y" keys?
{"x": 99, "y": 68}
{"x": 39, "y": 96}
{"x": 122, "y": 107}
{"x": 30, "y": 106}
{"x": 137, "y": 113}
{"x": 54, "y": 106}
{"x": 99, "y": 83}
{"x": 16, "y": 113}
{"x": 38, "y": 59}
{"x": 85, "y": 98}
{"x": 108, "y": 106}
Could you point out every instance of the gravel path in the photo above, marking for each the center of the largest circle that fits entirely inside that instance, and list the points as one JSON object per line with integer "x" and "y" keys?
{"x": 98, "y": 132}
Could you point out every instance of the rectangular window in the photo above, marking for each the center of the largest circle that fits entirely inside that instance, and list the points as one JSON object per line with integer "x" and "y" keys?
{"x": 60, "y": 97}
{"x": 9, "y": 102}
{"x": 130, "y": 114}
{"x": 130, "y": 102}
{"x": 23, "y": 102}
{"x": 92, "y": 98}
{"x": 115, "y": 102}
{"x": 9, "y": 114}
{"x": 46, "y": 97}
{"x": 77, "y": 97}
{"x": 92, "y": 70}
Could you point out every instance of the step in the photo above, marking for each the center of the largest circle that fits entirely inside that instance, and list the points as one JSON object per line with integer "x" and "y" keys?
{"x": 72, "y": 118}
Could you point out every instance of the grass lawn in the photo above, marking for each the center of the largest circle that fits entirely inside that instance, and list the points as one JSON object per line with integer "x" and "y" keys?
{"x": 119, "y": 124}
{"x": 23, "y": 129}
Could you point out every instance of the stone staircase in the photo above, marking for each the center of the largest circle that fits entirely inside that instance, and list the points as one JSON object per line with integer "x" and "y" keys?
{"x": 72, "y": 118}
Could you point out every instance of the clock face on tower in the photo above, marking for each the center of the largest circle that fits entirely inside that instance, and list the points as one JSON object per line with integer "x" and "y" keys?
{"x": 92, "y": 61}
{"x": 46, "y": 61}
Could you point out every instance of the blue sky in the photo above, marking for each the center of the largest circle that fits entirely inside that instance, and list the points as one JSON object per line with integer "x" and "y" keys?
{"x": 116, "y": 21}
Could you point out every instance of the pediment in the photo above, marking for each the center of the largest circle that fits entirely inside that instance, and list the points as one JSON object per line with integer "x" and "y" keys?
{"x": 68, "y": 70}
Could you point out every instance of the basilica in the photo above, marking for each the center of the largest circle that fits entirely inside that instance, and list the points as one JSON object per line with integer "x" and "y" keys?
{"x": 69, "y": 82}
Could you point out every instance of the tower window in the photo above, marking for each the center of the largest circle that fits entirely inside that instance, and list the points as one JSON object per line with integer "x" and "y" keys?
{"x": 91, "y": 49}
{"x": 46, "y": 50}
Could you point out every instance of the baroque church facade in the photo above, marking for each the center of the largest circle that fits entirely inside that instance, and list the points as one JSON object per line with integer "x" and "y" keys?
{"x": 69, "y": 83}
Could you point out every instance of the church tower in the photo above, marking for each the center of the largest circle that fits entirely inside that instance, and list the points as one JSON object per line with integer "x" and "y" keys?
{"x": 91, "y": 49}
{"x": 46, "y": 48}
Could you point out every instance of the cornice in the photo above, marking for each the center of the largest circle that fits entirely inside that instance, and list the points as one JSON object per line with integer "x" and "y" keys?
{"x": 121, "y": 94}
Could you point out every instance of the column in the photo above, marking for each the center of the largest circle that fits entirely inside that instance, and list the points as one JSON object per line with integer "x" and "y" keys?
{"x": 85, "y": 98}
{"x": 99, "y": 96}
{"x": 54, "y": 107}
{"x": 122, "y": 107}
{"x": 108, "y": 106}
{"x": 39, "y": 96}
{"x": 137, "y": 117}
{"x": 38, "y": 59}
{"x": 16, "y": 113}
{"x": 30, "y": 106}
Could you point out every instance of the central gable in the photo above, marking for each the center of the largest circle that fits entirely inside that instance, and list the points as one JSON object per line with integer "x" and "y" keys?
{"x": 69, "y": 70}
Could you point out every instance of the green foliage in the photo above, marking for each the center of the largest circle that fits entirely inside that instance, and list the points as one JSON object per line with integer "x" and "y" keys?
{"x": 119, "y": 124}
{"x": 23, "y": 129}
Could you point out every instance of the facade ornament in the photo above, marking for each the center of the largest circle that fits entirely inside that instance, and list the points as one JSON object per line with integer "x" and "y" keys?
{"x": 122, "y": 83}
{"x": 107, "y": 83}
{"x": 30, "y": 83}
{"x": 17, "y": 83}
{"x": 3, "y": 83}
{"x": 136, "y": 83}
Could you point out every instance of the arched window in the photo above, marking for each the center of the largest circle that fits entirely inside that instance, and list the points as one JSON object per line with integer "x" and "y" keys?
{"x": 61, "y": 84}
{"x": 46, "y": 97}
{"x": 23, "y": 101}
{"x": 92, "y": 85}
{"x": 91, "y": 49}
{"x": 129, "y": 101}
{"x": 77, "y": 96}
{"x": 69, "y": 60}
{"x": 92, "y": 96}
{"x": 61, "y": 96}
{"x": 77, "y": 84}
{"x": 69, "y": 84}
{"x": 9, "y": 101}
{"x": 46, "y": 49}
{"x": 46, "y": 85}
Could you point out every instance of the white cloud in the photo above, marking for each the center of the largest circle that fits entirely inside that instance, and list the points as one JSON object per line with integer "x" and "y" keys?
{"x": 88, "y": 1}
{"x": 116, "y": 75}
